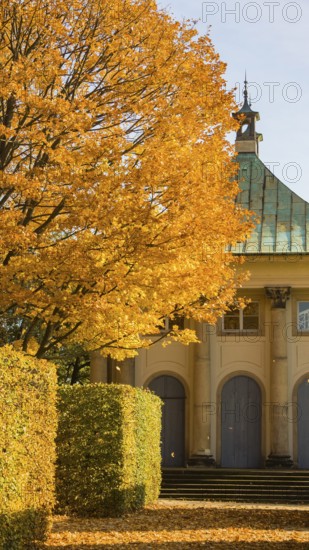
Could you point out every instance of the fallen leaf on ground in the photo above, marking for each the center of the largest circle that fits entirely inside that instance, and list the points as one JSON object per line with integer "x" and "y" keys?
{"x": 182, "y": 525}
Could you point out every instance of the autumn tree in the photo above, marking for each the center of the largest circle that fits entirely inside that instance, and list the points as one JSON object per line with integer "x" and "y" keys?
{"x": 117, "y": 192}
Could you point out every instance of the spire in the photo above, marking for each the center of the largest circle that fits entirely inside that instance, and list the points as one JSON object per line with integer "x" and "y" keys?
{"x": 246, "y": 87}
{"x": 247, "y": 139}
{"x": 246, "y": 108}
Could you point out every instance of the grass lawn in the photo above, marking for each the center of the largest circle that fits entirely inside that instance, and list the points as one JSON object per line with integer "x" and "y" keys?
{"x": 180, "y": 525}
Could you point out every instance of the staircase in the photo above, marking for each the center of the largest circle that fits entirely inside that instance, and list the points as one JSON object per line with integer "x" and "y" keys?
{"x": 268, "y": 486}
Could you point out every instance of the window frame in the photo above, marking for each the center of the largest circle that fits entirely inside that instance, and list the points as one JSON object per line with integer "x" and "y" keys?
{"x": 299, "y": 329}
{"x": 241, "y": 329}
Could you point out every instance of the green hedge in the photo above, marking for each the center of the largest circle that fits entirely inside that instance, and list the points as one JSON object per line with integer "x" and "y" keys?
{"x": 108, "y": 449}
{"x": 27, "y": 449}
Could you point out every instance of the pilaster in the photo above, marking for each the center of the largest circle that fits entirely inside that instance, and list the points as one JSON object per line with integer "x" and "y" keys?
{"x": 201, "y": 395}
{"x": 279, "y": 455}
{"x": 98, "y": 368}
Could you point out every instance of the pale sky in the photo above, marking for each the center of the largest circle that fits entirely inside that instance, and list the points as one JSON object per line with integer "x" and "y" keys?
{"x": 271, "y": 41}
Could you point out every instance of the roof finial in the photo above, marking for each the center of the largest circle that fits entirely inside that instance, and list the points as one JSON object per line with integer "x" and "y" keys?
{"x": 246, "y": 88}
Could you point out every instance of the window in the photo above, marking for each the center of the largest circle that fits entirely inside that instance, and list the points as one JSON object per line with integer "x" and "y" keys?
{"x": 246, "y": 319}
{"x": 303, "y": 316}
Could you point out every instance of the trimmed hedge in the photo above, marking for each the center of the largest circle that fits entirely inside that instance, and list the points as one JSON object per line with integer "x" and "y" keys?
{"x": 27, "y": 449}
{"x": 108, "y": 448}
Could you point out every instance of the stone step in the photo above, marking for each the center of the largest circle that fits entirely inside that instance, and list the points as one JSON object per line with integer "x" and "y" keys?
{"x": 237, "y": 485}
{"x": 239, "y": 498}
{"x": 240, "y": 481}
{"x": 217, "y": 472}
{"x": 279, "y": 499}
{"x": 236, "y": 488}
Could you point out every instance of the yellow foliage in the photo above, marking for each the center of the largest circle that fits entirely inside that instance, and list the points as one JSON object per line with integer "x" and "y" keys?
{"x": 108, "y": 449}
{"x": 117, "y": 192}
{"x": 27, "y": 448}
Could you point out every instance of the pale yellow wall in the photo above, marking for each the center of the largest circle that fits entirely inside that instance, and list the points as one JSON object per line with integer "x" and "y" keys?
{"x": 281, "y": 270}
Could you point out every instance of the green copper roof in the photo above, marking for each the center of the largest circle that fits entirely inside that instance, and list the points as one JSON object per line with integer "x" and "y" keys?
{"x": 282, "y": 216}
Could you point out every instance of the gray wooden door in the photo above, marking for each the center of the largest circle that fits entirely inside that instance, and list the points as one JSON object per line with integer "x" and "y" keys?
{"x": 172, "y": 394}
{"x": 241, "y": 423}
{"x": 303, "y": 425}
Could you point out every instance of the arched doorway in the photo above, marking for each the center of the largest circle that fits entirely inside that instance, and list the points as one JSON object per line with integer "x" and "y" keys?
{"x": 241, "y": 413}
{"x": 303, "y": 424}
{"x": 172, "y": 393}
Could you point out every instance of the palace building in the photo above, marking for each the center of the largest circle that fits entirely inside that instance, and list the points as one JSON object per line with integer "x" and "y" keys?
{"x": 240, "y": 397}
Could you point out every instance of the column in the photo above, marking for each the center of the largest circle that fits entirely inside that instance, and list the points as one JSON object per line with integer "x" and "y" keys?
{"x": 279, "y": 455}
{"x": 98, "y": 368}
{"x": 127, "y": 371}
{"x": 201, "y": 395}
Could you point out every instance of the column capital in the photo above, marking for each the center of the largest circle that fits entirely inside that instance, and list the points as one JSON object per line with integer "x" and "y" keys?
{"x": 278, "y": 295}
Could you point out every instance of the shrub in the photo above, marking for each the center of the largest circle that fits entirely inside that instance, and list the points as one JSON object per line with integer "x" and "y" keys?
{"x": 108, "y": 449}
{"x": 27, "y": 450}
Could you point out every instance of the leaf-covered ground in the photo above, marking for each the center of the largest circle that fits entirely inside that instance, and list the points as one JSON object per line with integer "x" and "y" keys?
{"x": 175, "y": 525}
